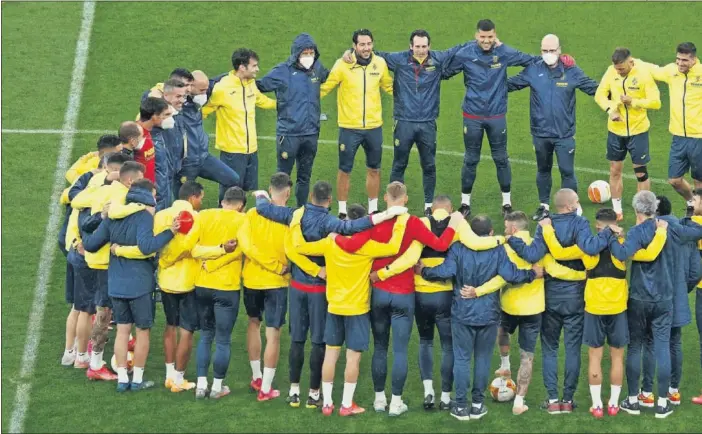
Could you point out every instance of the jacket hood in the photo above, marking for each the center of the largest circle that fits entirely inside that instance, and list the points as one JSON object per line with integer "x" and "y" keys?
{"x": 301, "y": 42}
{"x": 140, "y": 195}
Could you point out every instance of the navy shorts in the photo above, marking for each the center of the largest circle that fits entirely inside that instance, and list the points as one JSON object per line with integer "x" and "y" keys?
{"x": 138, "y": 311}
{"x": 101, "y": 297}
{"x": 308, "y": 312}
{"x": 613, "y": 327}
{"x": 69, "y": 283}
{"x": 350, "y": 140}
{"x": 685, "y": 154}
{"x": 271, "y": 302}
{"x": 84, "y": 286}
{"x": 637, "y": 146}
{"x": 181, "y": 310}
{"x": 354, "y": 330}
{"x": 529, "y": 327}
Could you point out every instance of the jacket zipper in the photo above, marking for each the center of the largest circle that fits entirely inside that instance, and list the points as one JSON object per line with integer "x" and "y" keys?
{"x": 364, "y": 97}
{"x": 626, "y": 109}
{"x": 246, "y": 115}
{"x": 683, "y": 106}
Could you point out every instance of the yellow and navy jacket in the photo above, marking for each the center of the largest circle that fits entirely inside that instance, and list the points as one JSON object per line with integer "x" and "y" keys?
{"x": 116, "y": 192}
{"x": 641, "y": 87}
{"x": 358, "y": 100}
{"x": 263, "y": 244}
{"x": 685, "y": 98}
{"x": 417, "y": 252}
{"x": 348, "y": 286}
{"x": 217, "y": 226}
{"x": 85, "y": 163}
{"x": 234, "y": 103}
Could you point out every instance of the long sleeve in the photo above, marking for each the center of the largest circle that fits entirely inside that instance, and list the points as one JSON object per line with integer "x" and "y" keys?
{"x": 262, "y": 101}
{"x": 592, "y": 244}
{"x": 557, "y": 250}
{"x": 213, "y": 103}
{"x": 298, "y": 259}
{"x": 688, "y": 232}
{"x": 554, "y": 269}
{"x": 635, "y": 241}
{"x": 252, "y": 251}
{"x": 279, "y": 214}
{"x": 515, "y": 57}
{"x": 120, "y": 210}
{"x": 386, "y": 81}
{"x": 375, "y": 249}
{"x": 447, "y": 269}
{"x": 204, "y": 252}
{"x": 317, "y": 248}
{"x": 602, "y": 94}
{"x": 531, "y": 253}
{"x": 652, "y": 100}
{"x": 586, "y": 84}
{"x": 518, "y": 82}
{"x": 353, "y": 243}
{"x": 226, "y": 259}
{"x": 333, "y": 80}
{"x": 392, "y": 59}
{"x": 510, "y": 272}
{"x": 91, "y": 223}
{"x": 147, "y": 242}
{"x": 474, "y": 242}
{"x": 403, "y": 263}
{"x": 94, "y": 242}
{"x": 492, "y": 285}
{"x": 346, "y": 227}
{"x": 74, "y": 171}
{"x": 79, "y": 185}
{"x": 424, "y": 235}
{"x": 272, "y": 81}
{"x": 694, "y": 278}
{"x": 83, "y": 199}
{"x": 657, "y": 73}
{"x": 131, "y": 252}
{"x": 654, "y": 248}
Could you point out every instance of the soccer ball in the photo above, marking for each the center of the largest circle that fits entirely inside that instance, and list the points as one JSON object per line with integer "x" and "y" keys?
{"x": 503, "y": 389}
{"x": 599, "y": 192}
{"x": 130, "y": 362}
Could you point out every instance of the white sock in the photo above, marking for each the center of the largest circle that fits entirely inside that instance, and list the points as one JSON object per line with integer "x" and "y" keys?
{"x": 504, "y": 360}
{"x": 327, "y": 392}
{"x": 138, "y": 375}
{"x": 545, "y": 205}
{"x": 342, "y": 207}
{"x": 372, "y": 205}
{"x": 255, "y": 369}
{"x": 477, "y": 405}
{"x": 506, "y": 198}
{"x": 96, "y": 360}
{"x": 83, "y": 357}
{"x": 380, "y": 396}
{"x": 445, "y": 397}
{"x": 314, "y": 394}
{"x": 170, "y": 371}
{"x": 268, "y": 374}
{"x": 69, "y": 352}
{"x": 427, "y": 205}
{"x": 614, "y": 395}
{"x": 596, "y": 395}
{"x": 395, "y": 400}
{"x": 518, "y": 401}
{"x": 294, "y": 390}
{"x": 216, "y": 385}
{"x": 551, "y": 401}
{"x": 633, "y": 399}
{"x": 347, "y": 397}
{"x": 122, "y": 376}
{"x": 672, "y": 390}
{"x": 179, "y": 378}
{"x": 662, "y": 402}
{"x": 646, "y": 394}
{"x": 202, "y": 382}
{"x": 428, "y": 387}
{"x": 465, "y": 198}
{"x": 617, "y": 205}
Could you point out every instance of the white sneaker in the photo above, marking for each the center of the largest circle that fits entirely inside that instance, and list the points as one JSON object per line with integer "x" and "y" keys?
{"x": 380, "y": 405}
{"x": 397, "y": 409}
{"x": 68, "y": 359}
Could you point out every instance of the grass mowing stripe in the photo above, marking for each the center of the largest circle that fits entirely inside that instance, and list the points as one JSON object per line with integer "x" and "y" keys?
{"x": 334, "y": 142}
{"x": 48, "y": 251}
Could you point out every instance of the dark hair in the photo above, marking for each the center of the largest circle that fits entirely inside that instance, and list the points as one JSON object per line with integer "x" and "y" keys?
{"x": 182, "y": 73}
{"x": 321, "y": 192}
{"x": 687, "y": 48}
{"x": 481, "y": 225}
{"x": 235, "y": 195}
{"x": 519, "y": 218}
{"x": 152, "y": 106}
{"x": 173, "y": 83}
{"x": 117, "y": 158}
{"x": 242, "y": 56}
{"x": 606, "y": 215}
{"x": 190, "y": 189}
{"x": 356, "y": 211}
{"x": 361, "y": 32}
{"x": 664, "y": 206}
{"x": 620, "y": 55}
{"x": 420, "y": 33}
{"x": 128, "y": 130}
{"x": 697, "y": 192}
{"x": 108, "y": 141}
{"x": 280, "y": 181}
{"x": 144, "y": 183}
{"x": 131, "y": 167}
{"x": 485, "y": 25}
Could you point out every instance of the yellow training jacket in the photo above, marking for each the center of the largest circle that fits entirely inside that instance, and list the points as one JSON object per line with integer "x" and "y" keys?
{"x": 115, "y": 193}
{"x": 348, "y": 285}
{"x": 685, "y": 98}
{"x": 217, "y": 226}
{"x": 263, "y": 244}
{"x": 638, "y": 84}
{"x": 358, "y": 100}
{"x": 82, "y": 200}
{"x": 234, "y": 103}
{"x": 84, "y": 164}
{"x": 413, "y": 254}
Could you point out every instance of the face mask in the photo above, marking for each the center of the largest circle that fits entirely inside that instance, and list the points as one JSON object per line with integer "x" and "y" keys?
{"x": 307, "y": 61}
{"x": 550, "y": 58}
{"x": 141, "y": 143}
{"x": 169, "y": 123}
{"x": 200, "y": 99}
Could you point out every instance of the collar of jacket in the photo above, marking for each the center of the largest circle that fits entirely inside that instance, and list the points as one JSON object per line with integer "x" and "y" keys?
{"x": 140, "y": 195}
{"x": 440, "y": 214}
{"x": 237, "y": 81}
{"x": 182, "y": 205}
{"x": 316, "y": 208}
{"x": 558, "y": 71}
{"x": 372, "y": 60}
{"x": 118, "y": 186}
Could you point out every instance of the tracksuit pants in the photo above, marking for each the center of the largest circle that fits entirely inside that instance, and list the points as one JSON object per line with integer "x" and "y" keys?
{"x": 565, "y": 154}
{"x": 210, "y": 168}
{"x": 300, "y": 149}
{"x": 405, "y": 135}
{"x": 472, "y": 341}
{"x": 434, "y": 309}
{"x": 496, "y": 129}
{"x": 676, "y": 360}
{"x": 569, "y": 316}
{"x": 217, "y": 311}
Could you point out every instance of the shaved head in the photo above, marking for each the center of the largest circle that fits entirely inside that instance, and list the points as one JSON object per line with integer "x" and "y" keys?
{"x": 566, "y": 200}
{"x": 442, "y": 202}
{"x": 200, "y": 83}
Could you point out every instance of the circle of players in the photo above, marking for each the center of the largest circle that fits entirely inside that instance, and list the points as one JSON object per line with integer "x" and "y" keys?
{"x": 134, "y": 224}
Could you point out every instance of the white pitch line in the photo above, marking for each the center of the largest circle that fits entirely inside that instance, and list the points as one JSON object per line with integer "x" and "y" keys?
{"x": 334, "y": 142}
{"x": 48, "y": 251}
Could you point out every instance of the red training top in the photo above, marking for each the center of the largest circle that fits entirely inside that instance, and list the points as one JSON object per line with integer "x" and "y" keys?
{"x": 147, "y": 156}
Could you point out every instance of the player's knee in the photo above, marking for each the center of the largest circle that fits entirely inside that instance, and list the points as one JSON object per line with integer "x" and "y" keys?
{"x": 675, "y": 182}
{"x": 641, "y": 173}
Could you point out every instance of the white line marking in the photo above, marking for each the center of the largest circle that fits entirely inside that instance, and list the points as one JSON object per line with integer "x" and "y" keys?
{"x": 48, "y": 251}
{"x": 334, "y": 142}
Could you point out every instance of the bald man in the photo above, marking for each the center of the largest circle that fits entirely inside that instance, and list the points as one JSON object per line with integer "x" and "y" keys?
{"x": 552, "y": 111}
{"x": 197, "y": 160}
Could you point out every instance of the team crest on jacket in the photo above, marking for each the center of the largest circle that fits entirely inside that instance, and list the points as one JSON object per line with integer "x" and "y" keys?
{"x": 183, "y": 179}
{"x": 397, "y": 142}
{"x": 634, "y": 81}
{"x": 342, "y": 147}
{"x": 284, "y": 155}
{"x": 375, "y": 67}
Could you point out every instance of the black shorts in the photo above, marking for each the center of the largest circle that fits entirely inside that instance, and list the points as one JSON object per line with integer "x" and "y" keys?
{"x": 350, "y": 140}
{"x": 84, "y": 287}
{"x": 181, "y": 310}
{"x": 272, "y": 302}
{"x": 615, "y": 328}
{"x": 529, "y": 327}
{"x": 138, "y": 311}
{"x": 101, "y": 297}
{"x": 637, "y": 146}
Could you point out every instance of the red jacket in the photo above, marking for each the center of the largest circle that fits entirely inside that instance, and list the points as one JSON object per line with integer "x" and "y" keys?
{"x": 147, "y": 156}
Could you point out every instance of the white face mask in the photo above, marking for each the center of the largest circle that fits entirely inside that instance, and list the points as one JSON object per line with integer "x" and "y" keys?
{"x": 141, "y": 143}
{"x": 169, "y": 123}
{"x": 307, "y": 61}
{"x": 550, "y": 58}
{"x": 200, "y": 99}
